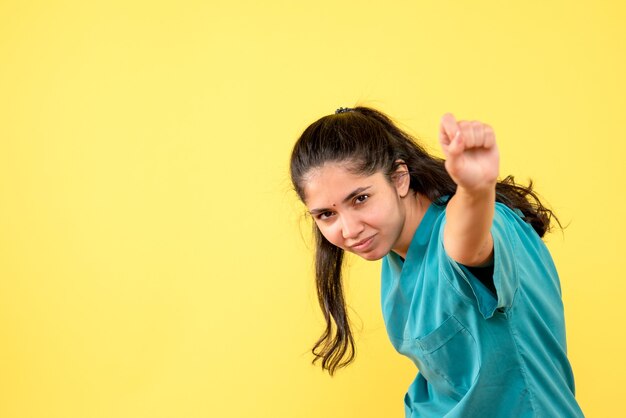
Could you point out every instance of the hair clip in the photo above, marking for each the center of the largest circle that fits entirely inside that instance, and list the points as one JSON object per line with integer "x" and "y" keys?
{"x": 343, "y": 110}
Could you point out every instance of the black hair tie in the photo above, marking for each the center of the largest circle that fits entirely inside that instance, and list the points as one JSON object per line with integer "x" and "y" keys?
{"x": 343, "y": 110}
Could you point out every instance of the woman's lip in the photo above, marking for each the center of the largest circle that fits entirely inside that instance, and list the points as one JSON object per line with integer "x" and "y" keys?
{"x": 363, "y": 244}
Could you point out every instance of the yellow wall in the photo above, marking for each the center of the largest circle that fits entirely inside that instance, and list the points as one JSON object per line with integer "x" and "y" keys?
{"x": 151, "y": 254}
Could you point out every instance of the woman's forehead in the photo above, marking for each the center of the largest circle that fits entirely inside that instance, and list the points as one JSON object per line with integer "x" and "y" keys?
{"x": 333, "y": 181}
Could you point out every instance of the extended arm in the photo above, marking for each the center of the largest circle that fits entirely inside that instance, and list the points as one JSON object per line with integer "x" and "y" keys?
{"x": 472, "y": 160}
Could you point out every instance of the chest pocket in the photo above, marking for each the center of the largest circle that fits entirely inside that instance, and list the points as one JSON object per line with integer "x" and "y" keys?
{"x": 449, "y": 357}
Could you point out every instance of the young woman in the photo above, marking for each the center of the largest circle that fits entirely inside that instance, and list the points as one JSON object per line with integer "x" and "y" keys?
{"x": 469, "y": 290}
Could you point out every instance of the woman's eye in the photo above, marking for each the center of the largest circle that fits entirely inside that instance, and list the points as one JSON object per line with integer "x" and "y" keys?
{"x": 362, "y": 198}
{"x": 325, "y": 215}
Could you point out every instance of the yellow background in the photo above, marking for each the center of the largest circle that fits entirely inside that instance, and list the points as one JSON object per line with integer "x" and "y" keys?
{"x": 154, "y": 261}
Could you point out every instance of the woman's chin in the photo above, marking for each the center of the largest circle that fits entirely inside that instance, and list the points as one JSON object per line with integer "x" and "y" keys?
{"x": 370, "y": 255}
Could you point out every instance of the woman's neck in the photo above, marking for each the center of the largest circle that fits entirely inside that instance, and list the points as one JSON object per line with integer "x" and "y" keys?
{"x": 415, "y": 206}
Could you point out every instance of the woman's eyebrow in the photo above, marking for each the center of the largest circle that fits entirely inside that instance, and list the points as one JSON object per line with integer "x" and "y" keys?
{"x": 350, "y": 196}
{"x": 355, "y": 192}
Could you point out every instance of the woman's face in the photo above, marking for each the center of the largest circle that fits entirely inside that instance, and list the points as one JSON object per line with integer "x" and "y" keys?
{"x": 358, "y": 213}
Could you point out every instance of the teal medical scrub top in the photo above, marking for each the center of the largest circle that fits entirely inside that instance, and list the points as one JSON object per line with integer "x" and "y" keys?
{"x": 480, "y": 354}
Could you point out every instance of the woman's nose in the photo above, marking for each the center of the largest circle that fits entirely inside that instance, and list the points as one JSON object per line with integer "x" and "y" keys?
{"x": 351, "y": 227}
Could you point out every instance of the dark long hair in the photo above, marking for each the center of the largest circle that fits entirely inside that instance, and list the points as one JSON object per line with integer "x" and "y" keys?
{"x": 369, "y": 142}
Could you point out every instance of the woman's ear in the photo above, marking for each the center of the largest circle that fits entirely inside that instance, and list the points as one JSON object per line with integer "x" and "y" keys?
{"x": 401, "y": 178}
